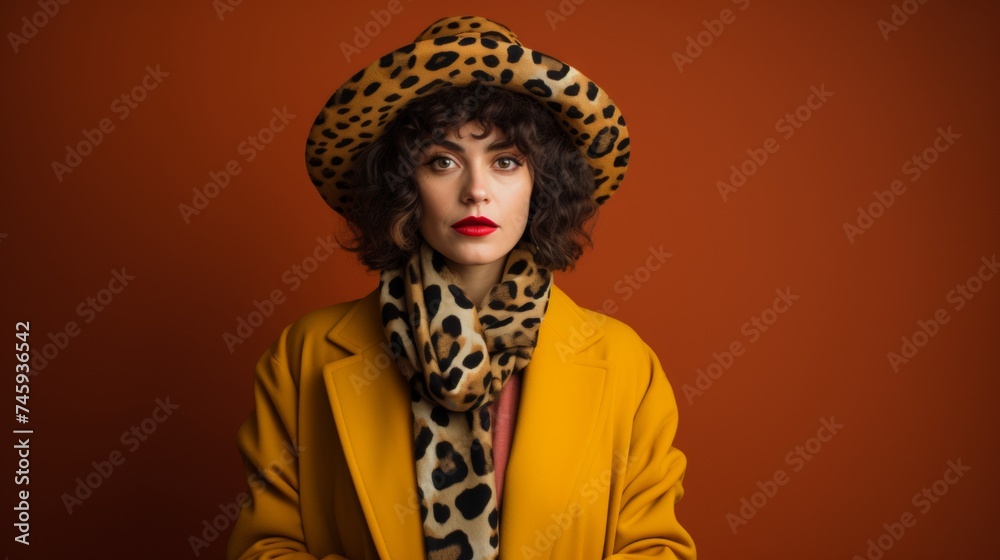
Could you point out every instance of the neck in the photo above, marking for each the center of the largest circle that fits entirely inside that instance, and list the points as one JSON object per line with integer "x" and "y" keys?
{"x": 477, "y": 279}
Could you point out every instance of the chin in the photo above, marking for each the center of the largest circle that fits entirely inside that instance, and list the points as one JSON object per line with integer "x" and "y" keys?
{"x": 470, "y": 251}
{"x": 470, "y": 255}
{"x": 465, "y": 258}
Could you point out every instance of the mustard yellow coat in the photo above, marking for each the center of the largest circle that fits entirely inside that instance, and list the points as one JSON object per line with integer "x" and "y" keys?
{"x": 328, "y": 448}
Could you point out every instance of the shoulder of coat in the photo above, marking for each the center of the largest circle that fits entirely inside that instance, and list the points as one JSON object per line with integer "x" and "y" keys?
{"x": 587, "y": 326}
{"x": 313, "y": 328}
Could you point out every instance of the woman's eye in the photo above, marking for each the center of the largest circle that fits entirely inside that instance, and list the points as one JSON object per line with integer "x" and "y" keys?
{"x": 508, "y": 163}
{"x": 436, "y": 162}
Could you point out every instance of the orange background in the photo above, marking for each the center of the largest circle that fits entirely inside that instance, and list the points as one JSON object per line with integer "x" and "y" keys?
{"x": 784, "y": 229}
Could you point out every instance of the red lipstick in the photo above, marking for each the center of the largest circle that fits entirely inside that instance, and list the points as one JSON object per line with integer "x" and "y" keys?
{"x": 475, "y": 226}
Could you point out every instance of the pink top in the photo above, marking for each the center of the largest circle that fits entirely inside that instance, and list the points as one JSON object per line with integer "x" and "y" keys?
{"x": 503, "y": 413}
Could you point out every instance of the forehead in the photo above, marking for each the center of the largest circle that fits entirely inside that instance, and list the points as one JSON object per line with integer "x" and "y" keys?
{"x": 470, "y": 134}
{"x": 465, "y": 131}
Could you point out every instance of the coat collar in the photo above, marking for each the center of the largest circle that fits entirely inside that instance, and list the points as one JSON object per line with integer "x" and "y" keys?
{"x": 562, "y": 404}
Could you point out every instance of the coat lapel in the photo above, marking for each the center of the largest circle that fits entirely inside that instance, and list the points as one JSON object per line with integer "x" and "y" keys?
{"x": 560, "y": 409}
{"x": 371, "y": 405}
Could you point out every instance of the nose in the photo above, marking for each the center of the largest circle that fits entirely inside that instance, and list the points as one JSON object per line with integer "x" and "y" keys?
{"x": 475, "y": 190}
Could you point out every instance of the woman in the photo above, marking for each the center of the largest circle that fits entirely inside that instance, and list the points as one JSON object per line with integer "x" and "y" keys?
{"x": 466, "y": 406}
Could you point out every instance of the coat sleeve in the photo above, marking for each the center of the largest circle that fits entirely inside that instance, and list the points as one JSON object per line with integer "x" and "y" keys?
{"x": 269, "y": 525}
{"x": 647, "y": 526}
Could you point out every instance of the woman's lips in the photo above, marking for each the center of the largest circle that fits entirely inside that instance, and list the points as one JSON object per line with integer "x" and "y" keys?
{"x": 475, "y": 231}
{"x": 475, "y": 226}
{"x": 474, "y": 221}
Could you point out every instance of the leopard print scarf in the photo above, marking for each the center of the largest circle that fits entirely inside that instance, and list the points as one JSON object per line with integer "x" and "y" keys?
{"x": 457, "y": 358}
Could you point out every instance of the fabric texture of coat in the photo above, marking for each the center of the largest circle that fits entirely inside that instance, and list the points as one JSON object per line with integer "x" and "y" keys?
{"x": 328, "y": 449}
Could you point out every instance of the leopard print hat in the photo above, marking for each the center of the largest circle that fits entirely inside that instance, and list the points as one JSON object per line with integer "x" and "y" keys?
{"x": 457, "y": 51}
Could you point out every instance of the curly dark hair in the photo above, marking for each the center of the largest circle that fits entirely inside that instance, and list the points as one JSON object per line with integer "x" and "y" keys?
{"x": 385, "y": 216}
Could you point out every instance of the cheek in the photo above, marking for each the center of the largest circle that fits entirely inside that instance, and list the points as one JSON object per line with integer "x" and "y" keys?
{"x": 430, "y": 208}
{"x": 524, "y": 200}
{"x": 433, "y": 212}
{"x": 423, "y": 197}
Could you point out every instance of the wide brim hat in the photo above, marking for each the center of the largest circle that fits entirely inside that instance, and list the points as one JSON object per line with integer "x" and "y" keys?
{"x": 456, "y": 51}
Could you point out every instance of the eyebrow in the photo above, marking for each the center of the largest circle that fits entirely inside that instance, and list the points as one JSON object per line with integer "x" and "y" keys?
{"x": 495, "y": 146}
